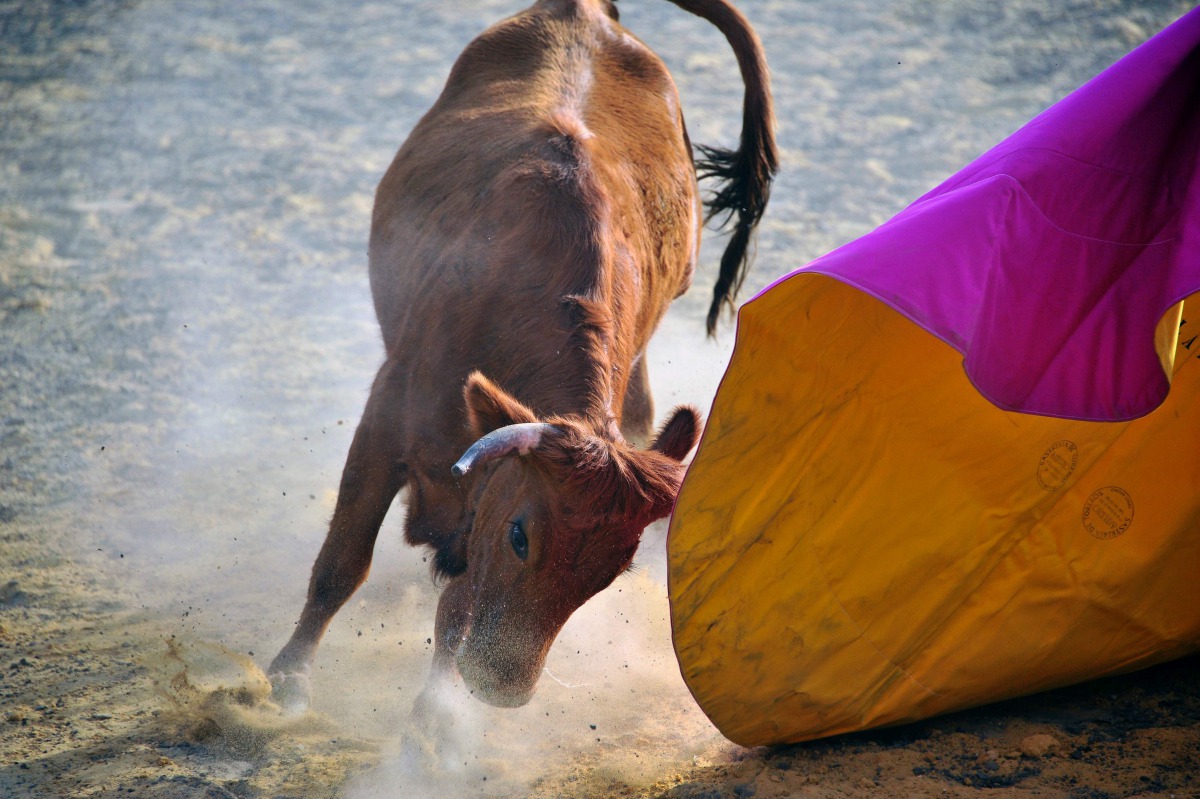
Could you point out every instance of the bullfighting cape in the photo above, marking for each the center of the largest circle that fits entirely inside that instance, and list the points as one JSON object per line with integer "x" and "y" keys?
{"x": 958, "y": 460}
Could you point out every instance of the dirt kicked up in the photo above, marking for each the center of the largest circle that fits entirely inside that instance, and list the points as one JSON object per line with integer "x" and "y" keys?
{"x": 186, "y": 339}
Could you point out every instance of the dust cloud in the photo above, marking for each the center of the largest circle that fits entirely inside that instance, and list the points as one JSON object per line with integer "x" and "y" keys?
{"x": 610, "y": 710}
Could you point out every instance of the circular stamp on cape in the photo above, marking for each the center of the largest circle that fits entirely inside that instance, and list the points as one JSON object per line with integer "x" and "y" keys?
{"x": 1108, "y": 512}
{"x": 1057, "y": 464}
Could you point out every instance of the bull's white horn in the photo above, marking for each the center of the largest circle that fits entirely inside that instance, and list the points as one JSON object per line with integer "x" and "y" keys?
{"x": 520, "y": 438}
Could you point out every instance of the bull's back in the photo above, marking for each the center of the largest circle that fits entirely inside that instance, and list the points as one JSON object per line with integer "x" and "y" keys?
{"x": 556, "y": 146}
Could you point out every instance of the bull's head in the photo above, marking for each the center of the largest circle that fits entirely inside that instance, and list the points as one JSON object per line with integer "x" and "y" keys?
{"x": 559, "y": 517}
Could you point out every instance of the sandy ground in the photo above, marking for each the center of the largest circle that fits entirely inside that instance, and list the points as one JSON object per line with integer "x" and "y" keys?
{"x": 185, "y": 343}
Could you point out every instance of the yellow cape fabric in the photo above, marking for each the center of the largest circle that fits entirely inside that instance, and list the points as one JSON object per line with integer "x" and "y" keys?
{"x": 864, "y": 540}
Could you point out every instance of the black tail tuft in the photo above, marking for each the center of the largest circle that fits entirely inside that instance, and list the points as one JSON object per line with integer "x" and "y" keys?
{"x": 743, "y": 176}
{"x": 739, "y": 202}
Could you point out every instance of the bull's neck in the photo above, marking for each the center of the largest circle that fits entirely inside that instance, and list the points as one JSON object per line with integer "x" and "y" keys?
{"x": 586, "y": 370}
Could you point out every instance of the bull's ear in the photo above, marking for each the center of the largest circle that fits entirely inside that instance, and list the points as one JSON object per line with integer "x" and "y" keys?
{"x": 678, "y": 434}
{"x": 490, "y": 407}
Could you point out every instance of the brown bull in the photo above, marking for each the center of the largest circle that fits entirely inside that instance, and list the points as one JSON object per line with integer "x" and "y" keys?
{"x": 525, "y": 243}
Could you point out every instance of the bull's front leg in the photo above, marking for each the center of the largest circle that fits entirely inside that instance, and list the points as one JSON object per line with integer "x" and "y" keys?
{"x": 450, "y": 627}
{"x": 431, "y": 736}
{"x": 373, "y": 475}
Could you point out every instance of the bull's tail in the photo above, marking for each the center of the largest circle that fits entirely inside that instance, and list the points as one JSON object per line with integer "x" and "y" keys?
{"x": 744, "y": 175}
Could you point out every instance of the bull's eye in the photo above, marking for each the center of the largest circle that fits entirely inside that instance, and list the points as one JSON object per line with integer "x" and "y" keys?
{"x": 518, "y": 539}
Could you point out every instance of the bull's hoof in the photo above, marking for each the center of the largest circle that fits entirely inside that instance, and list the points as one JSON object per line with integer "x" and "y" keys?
{"x": 418, "y": 753}
{"x": 292, "y": 691}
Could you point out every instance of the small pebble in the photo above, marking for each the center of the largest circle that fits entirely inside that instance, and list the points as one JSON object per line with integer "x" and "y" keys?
{"x": 1039, "y": 745}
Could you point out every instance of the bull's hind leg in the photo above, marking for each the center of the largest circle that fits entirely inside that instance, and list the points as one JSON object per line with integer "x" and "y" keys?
{"x": 637, "y": 415}
{"x": 373, "y": 475}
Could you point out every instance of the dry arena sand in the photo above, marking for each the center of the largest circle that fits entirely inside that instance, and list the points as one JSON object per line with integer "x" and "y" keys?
{"x": 186, "y": 339}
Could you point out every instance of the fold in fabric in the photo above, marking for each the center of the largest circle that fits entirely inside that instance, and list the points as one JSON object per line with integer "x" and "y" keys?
{"x": 1049, "y": 261}
{"x": 868, "y": 533}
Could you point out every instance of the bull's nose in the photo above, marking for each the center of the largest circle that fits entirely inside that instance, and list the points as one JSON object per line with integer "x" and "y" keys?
{"x": 492, "y": 686}
{"x": 500, "y": 699}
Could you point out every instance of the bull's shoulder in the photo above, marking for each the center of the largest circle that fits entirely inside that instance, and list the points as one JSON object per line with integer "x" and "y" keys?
{"x": 554, "y": 48}
{"x": 550, "y": 122}
{"x": 530, "y": 95}
{"x": 577, "y": 8}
